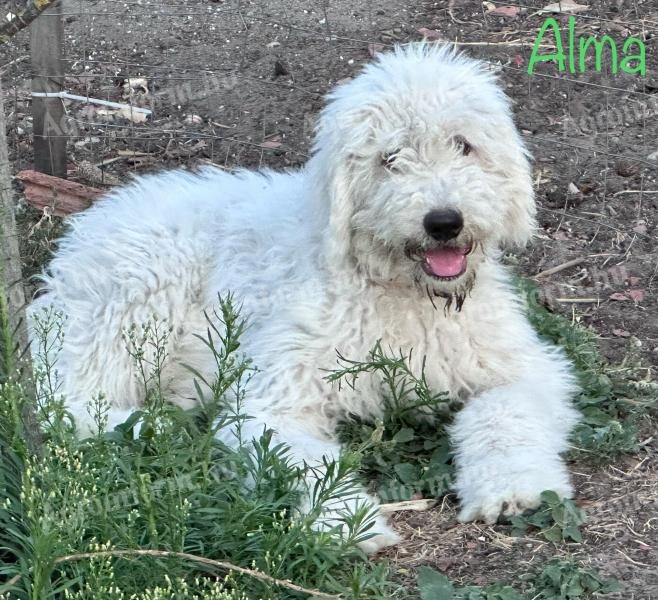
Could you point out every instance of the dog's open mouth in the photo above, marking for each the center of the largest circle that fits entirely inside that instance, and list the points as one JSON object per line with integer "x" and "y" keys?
{"x": 446, "y": 262}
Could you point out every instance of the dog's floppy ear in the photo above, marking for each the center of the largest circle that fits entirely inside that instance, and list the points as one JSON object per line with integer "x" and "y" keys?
{"x": 340, "y": 134}
{"x": 521, "y": 211}
{"x": 509, "y": 160}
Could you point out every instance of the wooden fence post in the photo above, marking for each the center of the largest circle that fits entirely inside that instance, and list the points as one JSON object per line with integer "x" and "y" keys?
{"x": 14, "y": 345}
{"x": 11, "y": 280}
{"x": 46, "y": 48}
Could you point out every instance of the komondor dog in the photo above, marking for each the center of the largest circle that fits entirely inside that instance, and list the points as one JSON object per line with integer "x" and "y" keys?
{"x": 392, "y": 232}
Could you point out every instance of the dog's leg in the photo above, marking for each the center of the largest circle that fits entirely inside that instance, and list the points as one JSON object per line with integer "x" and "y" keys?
{"x": 508, "y": 441}
{"x": 312, "y": 449}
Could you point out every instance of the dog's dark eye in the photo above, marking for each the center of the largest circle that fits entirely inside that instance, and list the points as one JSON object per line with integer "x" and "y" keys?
{"x": 388, "y": 158}
{"x": 463, "y": 146}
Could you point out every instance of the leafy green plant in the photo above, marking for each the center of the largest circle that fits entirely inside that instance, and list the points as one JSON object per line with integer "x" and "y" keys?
{"x": 160, "y": 508}
{"x": 612, "y": 398}
{"x": 406, "y": 452}
{"x": 557, "y": 580}
{"x": 557, "y": 519}
{"x": 433, "y": 585}
{"x": 567, "y": 580}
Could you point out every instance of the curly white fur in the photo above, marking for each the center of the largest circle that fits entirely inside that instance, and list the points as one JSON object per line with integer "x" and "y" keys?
{"x": 334, "y": 256}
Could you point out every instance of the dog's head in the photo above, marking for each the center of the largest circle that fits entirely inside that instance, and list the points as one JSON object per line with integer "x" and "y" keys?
{"x": 424, "y": 170}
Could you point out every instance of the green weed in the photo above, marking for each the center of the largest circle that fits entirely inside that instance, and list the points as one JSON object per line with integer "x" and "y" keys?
{"x": 123, "y": 514}
{"x": 557, "y": 519}
{"x": 406, "y": 452}
{"x": 557, "y": 580}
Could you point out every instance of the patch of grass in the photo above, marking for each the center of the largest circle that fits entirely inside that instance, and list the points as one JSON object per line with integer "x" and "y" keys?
{"x": 613, "y": 398}
{"x": 161, "y": 490}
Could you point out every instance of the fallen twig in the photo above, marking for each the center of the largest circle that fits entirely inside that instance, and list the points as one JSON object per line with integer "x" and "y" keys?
{"x": 202, "y": 560}
{"x": 4, "y": 67}
{"x": 562, "y": 267}
{"x": 122, "y": 155}
{"x": 409, "y": 505}
{"x": 451, "y": 14}
{"x": 635, "y": 192}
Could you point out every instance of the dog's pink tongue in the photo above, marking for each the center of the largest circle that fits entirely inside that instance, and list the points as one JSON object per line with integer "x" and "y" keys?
{"x": 446, "y": 262}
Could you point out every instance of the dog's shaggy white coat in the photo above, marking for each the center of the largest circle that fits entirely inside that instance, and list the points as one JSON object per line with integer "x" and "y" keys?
{"x": 335, "y": 257}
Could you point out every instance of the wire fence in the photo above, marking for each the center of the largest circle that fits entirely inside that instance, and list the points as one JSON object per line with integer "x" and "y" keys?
{"x": 219, "y": 80}
{"x": 147, "y": 84}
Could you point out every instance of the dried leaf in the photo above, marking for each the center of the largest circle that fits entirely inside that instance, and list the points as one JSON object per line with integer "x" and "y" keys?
{"x": 133, "y": 115}
{"x": 621, "y": 333}
{"x": 275, "y": 142}
{"x": 635, "y": 295}
{"x": 127, "y": 112}
{"x": 375, "y": 48}
{"x": 618, "y": 296}
{"x": 193, "y": 119}
{"x": 565, "y": 6}
{"x": 430, "y": 34}
{"x": 573, "y": 188}
{"x": 504, "y": 11}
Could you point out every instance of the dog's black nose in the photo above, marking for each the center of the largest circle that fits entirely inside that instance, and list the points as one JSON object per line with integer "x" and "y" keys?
{"x": 443, "y": 225}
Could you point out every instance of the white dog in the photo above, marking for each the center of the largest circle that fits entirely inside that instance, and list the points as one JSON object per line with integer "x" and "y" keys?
{"x": 391, "y": 232}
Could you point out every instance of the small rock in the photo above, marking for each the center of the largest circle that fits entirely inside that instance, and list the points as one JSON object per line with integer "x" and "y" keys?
{"x": 555, "y": 197}
{"x": 587, "y": 186}
{"x": 621, "y": 333}
{"x": 619, "y": 296}
{"x": 573, "y": 188}
{"x": 374, "y": 48}
{"x": 626, "y": 168}
{"x": 280, "y": 69}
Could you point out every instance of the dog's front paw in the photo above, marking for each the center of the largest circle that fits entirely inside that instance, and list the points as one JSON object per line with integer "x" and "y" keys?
{"x": 485, "y": 496}
{"x": 334, "y": 513}
{"x": 383, "y": 535}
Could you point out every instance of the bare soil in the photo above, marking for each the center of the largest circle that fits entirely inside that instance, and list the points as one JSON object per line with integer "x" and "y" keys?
{"x": 238, "y": 83}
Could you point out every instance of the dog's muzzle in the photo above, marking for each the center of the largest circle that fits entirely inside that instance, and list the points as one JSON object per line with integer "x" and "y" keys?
{"x": 446, "y": 262}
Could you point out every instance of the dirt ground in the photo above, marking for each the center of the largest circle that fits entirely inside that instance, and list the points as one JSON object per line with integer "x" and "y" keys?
{"x": 239, "y": 82}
